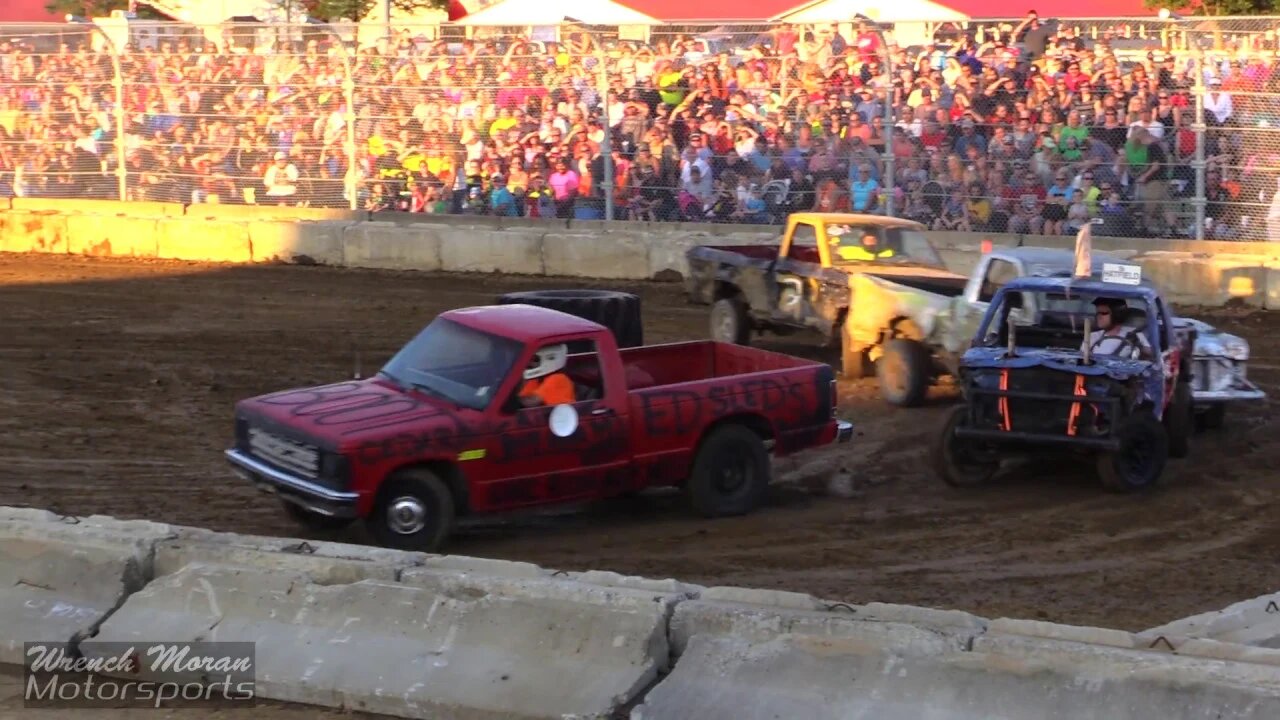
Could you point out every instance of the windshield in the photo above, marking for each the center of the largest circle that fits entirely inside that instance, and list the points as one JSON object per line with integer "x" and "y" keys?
{"x": 1055, "y": 319}
{"x": 454, "y": 362}
{"x": 859, "y": 243}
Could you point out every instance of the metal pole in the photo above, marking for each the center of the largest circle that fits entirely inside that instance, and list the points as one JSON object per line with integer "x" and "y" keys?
{"x": 1198, "y": 127}
{"x": 606, "y": 147}
{"x": 122, "y": 185}
{"x": 351, "y": 180}
{"x": 888, "y": 126}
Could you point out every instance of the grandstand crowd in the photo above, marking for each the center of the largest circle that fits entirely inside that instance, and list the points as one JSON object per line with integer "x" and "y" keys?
{"x": 1027, "y": 128}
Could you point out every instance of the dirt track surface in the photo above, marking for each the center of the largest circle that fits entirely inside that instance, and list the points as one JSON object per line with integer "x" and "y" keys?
{"x": 119, "y": 379}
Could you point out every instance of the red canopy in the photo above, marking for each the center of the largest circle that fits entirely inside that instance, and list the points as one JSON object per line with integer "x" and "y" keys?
{"x": 27, "y": 11}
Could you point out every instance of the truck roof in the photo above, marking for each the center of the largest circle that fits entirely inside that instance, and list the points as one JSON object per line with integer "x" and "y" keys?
{"x": 1088, "y": 286}
{"x": 524, "y": 323}
{"x": 855, "y": 219}
{"x": 1052, "y": 259}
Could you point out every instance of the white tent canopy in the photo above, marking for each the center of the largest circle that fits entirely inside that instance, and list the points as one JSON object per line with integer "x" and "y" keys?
{"x": 841, "y": 11}
{"x": 532, "y": 12}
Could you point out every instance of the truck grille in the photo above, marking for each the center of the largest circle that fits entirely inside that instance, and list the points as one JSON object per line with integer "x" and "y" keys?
{"x": 283, "y": 453}
{"x": 1214, "y": 374}
{"x": 1033, "y": 415}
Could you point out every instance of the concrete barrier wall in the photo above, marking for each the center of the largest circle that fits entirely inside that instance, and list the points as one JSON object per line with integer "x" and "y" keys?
{"x": 429, "y": 636}
{"x": 1191, "y": 273}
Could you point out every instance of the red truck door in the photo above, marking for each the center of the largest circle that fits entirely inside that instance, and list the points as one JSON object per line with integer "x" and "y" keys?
{"x": 529, "y": 464}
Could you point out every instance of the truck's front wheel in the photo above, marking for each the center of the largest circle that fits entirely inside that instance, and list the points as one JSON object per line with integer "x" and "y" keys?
{"x": 961, "y": 463}
{"x": 904, "y": 371}
{"x": 729, "y": 321}
{"x": 414, "y": 512}
{"x": 731, "y": 473}
{"x": 1138, "y": 464}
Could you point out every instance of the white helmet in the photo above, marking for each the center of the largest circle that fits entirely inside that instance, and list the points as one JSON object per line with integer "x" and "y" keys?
{"x": 546, "y": 361}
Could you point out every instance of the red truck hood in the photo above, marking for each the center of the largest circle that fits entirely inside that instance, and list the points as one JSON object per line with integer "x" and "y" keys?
{"x": 347, "y": 415}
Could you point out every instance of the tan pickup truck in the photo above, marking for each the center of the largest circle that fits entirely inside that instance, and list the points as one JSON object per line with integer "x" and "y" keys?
{"x": 870, "y": 283}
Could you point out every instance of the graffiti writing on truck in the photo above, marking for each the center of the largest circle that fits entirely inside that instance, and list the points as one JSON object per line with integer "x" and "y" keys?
{"x": 522, "y": 436}
{"x": 357, "y": 407}
{"x": 598, "y": 439}
{"x": 787, "y": 404}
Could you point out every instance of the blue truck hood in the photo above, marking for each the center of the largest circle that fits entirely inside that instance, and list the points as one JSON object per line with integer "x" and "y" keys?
{"x": 1066, "y": 361}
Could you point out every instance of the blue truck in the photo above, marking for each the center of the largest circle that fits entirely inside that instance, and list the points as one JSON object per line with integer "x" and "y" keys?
{"x": 1031, "y": 381}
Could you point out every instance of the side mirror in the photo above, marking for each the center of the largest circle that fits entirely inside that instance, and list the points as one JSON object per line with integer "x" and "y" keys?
{"x": 563, "y": 420}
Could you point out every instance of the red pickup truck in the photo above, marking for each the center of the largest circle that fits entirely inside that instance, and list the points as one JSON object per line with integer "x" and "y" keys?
{"x": 443, "y": 429}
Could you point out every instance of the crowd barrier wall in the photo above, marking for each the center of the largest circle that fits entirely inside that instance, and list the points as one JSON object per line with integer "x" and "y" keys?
{"x": 433, "y": 636}
{"x": 1189, "y": 272}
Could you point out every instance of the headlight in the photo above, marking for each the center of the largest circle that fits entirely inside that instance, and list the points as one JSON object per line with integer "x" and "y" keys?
{"x": 242, "y": 434}
{"x": 335, "y": 470}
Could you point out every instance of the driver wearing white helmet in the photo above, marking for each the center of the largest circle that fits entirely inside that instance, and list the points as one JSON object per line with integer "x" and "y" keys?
{"x": 545, "y": 384}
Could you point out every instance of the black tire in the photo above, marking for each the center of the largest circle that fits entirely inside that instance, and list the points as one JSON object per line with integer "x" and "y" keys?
{"x": 731, "y": 473}
{"x": 1213, "y": 418}
{"x": 959, "y": 462}
{"x": 1140, "y": 461}
{"x": 618, "y": 311}
{"x": 729, "y": 321}
{"x": 314, "y": 520}
{"x": 904, "y": 371}
{"x": 853, "y": 358}
{"x": 1179, "y": 421}
{"x": 412, "y": 499}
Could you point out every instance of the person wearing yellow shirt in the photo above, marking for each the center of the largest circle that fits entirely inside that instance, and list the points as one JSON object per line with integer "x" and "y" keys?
{"x": 868, "y": 250}
{"x": 978, "y": 207}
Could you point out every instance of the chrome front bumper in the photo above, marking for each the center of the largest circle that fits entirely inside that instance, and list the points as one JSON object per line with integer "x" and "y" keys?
{"x": 844, "y": 431}
{"x": 299, "y": 491}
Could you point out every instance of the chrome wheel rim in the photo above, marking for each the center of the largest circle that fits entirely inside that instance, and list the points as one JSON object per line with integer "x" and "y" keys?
{"x": 406, "y": 515}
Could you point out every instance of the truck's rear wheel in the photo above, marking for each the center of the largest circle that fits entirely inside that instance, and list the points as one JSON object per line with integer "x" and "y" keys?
{"x": 1212, "y": 418}
{"x": 1138, "y": 464}
{"x": 414, "y": 511}
{"x": 961, "y": 463}
{"x": 729, "y": 322}
{"x": 313, "y": 520}
{"x": 618, "y": 311}
{"x": 731, "y": 473}
{"x": 1179, "y": 421}
{"x": 904, "y": 370}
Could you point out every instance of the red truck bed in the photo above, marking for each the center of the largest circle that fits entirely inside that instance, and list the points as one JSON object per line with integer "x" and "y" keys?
{"x": 688, "y": 362}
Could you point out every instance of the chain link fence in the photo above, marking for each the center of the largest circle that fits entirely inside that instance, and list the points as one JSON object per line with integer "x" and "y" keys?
{"x": 1161, "y": 128}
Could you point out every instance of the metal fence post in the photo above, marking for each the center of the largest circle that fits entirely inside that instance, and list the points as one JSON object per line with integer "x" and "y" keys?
{"x": 117, "y": 83}
{"x": 1198, "y": 127}
{"x": 606, "y": 146}
{"x": 888, "y": 126}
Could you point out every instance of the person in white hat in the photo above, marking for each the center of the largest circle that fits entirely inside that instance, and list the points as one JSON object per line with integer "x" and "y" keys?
{"x": 281, "y": 178}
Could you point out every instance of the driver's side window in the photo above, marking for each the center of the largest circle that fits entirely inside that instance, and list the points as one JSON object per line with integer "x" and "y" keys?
{"x": 998, "y": 273}
{"x": 805, "y": 235}
{"x": 561, "y": 373}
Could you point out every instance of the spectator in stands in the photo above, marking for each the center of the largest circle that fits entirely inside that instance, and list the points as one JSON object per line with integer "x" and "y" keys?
{"x": 500, "y": 127}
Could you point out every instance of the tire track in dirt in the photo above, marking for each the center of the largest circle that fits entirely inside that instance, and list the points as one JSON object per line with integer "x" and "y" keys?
{"x": 122, "y": 376}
